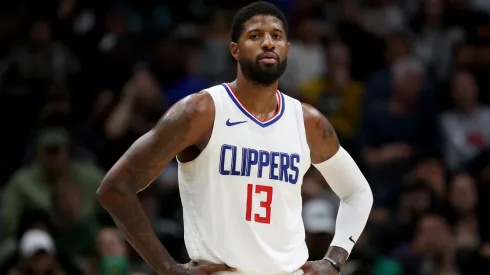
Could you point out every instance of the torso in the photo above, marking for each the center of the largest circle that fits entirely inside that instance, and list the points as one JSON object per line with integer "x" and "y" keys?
{"x": 241, "y": 195}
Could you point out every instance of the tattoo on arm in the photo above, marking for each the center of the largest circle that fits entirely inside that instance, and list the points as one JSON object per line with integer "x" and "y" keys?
{"x": 327, "y": 129}
{"x": 321, "y": 136}
{"x": 138, "y": 167}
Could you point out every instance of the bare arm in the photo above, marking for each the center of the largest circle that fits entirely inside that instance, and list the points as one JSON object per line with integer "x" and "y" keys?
{"x": 187, "y": 123}
{"x": 324, "y": 144}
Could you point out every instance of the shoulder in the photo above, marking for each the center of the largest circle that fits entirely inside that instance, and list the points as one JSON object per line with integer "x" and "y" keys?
{"x": 191, "y": 118}
{"x": 320, "y": 134}
{"x": 200, "y": 103}
{"x": 23, "y": 178}
{"x": 312, "y": 116}
{"x": 316, "y": 124}
{"x": 194, "y": 107}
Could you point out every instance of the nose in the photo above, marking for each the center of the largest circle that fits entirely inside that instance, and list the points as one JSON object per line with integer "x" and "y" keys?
{"x": 268, "y": 43}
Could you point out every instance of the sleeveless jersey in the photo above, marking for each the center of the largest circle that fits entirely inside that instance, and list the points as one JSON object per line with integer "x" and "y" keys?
{"x": 241, "y": 196}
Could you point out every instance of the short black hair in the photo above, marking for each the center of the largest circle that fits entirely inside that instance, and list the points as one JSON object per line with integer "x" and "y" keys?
{"x": 251, "y": 10}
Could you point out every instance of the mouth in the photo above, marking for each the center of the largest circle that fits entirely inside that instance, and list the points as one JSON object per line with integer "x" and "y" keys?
{"x": 268, "y": 58}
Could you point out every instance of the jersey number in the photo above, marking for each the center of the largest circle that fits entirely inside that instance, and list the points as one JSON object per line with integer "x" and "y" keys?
{"x": 263, "y": 204}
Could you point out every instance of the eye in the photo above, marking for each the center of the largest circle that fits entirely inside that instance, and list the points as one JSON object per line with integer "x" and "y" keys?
{"x": 277, "y": 36}
{"x": 254, "y": 36}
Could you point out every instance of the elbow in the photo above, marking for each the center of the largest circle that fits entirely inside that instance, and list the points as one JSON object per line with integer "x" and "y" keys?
{"x": 367, "y": 197}
{"x": 102, "y": 193}
{"x": 110, "y": 192}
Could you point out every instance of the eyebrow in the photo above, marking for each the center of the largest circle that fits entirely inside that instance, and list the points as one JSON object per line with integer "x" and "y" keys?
{"x": 274, "y": 30}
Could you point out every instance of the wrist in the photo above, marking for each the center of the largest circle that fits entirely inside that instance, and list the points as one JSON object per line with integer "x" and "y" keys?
{"x": 337, "y": 255}
{"x": 332, "y": 262}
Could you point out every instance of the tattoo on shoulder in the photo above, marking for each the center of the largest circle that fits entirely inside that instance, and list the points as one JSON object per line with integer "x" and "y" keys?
{"x": 327, "y": 129}
{"x": 149, "y": 155}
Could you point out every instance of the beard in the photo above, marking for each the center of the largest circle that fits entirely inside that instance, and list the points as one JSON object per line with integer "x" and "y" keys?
{"x": 264, "y": 74}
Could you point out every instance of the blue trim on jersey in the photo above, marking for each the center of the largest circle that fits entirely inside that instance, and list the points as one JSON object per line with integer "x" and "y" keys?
{"x": 253, "y": 118}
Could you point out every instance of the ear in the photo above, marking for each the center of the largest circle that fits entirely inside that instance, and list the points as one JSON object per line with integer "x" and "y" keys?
{"x": 235, "y": 52}
{"x": 288, "y": 46}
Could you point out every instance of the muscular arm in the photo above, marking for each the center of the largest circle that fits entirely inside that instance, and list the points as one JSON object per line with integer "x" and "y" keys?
{"x": 345, "y": 179}
{"x": 187, "y": 123}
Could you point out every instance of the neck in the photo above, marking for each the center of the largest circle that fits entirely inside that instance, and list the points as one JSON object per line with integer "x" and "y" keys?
{"x": 259, "y": 99}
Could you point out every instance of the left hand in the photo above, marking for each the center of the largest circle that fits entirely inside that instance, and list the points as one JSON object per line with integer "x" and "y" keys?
{"x": 321, "y": 267}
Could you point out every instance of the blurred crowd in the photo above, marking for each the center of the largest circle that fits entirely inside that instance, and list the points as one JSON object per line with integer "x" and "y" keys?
{"x": 404, "y": 82}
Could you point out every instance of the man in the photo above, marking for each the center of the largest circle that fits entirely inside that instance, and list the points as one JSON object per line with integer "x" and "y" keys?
{"x": 243, "y": 149}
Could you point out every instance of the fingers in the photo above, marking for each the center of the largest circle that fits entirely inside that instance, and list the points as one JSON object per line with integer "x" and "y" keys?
{"x": 213, "y": 268}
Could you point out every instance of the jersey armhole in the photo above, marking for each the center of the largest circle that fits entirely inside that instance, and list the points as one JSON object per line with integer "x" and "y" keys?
{"x": 301, "y": 128}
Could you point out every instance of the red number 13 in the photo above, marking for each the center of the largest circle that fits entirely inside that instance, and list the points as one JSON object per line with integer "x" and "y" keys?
{"x": 264, "y": 204}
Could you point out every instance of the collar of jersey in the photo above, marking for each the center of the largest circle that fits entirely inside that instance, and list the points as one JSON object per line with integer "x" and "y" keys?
{"x": 243, "y": 109}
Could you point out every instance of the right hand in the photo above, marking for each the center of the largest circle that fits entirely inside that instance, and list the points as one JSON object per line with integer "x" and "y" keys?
{"x": 202, "y": 268}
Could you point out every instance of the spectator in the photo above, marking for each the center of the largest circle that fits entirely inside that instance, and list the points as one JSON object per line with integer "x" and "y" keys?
{"x": 76, "y": 233}
{"x": 336, "y": 94}
{"x": 306, "y": 57}
{"x": 112, "y": 253}
{"x": 33, "y": 186}
{"x": 37, "y": 251}
{"x": 435, "y": 38}
{"x": 431, "y": 171}
{"x": 464, "y": 129}
{"x": 395, "y": 130}
{"x": 431, "y": 251}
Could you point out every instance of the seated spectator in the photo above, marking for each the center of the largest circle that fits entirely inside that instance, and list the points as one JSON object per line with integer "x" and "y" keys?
{"x": 11, "y": 248}
{"x": 416, "y": 199}
{"x": 431, "y": 170}
{"x": 393, "y": 131}
{"x": 465, "y": 129}
{"x": 112, "y": 253}
{"x": 37, "y": 255}
{"x": 75, "y": 234}
{"x": 462, "y": 214}
{"x": 336, "y": 94}
{"x": 33, "y": 186}
{"x": 431, "y": 251}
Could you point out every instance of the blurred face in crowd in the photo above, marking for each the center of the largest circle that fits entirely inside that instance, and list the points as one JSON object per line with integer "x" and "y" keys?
{"x": 433, "y": 235}
{"x": 110, "y": 243}
{"x": 41, "y": 263}
{"x": 40, "y": 33}
{"x": 462, "y": 194}
{"x": 432, "y": 171}
{"x": 339, "y": 56}
{"x": 53, "y": 159}
{"x": 415, "y": 202}
{"x": 147, "y": 90}
{"x": 308, "y": 30}
{"x": 433, "y": 9}
{"x": 350, "y": 10}
{"x": 465, "y": 91}
{"x": 262, "y": 49}
{"x": 396, "y": 47}
{"x": 408, "y": 85}
{"x": 463, "y": 56}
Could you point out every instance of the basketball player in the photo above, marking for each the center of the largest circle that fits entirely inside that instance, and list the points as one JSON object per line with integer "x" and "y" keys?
{"x": 242, "y": 150}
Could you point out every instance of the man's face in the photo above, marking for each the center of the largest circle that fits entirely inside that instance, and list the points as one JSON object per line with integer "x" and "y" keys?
{"x": 262, "y": 49}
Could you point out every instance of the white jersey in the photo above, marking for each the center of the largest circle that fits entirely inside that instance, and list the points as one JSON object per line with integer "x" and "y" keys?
{"x": 242, "y": 195}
